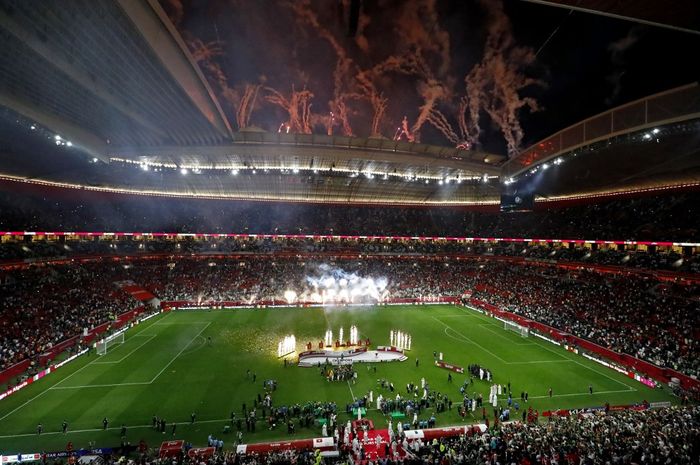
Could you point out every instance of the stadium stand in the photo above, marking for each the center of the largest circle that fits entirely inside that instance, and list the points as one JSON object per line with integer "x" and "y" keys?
{"x": 667, "y": 217}
{"x": 650, "y": 436}
{"x": 659, "y": 257}
{"x": 180, "y": 196}
{"x": 44, "y": 306}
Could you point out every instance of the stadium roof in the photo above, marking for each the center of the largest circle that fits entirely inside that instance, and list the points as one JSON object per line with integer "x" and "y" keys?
{"x": 116, "y": 80}
{"x": 105, "y": 73}
{"x": 672, "y": 106}
{"x": 646, "y": 144}
{"x": 680, "y": 15}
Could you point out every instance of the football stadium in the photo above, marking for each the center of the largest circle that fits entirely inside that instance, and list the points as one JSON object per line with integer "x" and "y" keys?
{"x": 351, "y": 232}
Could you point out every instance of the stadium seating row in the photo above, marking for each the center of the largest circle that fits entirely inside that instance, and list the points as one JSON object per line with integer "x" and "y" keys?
{"x": 669, "y": 217}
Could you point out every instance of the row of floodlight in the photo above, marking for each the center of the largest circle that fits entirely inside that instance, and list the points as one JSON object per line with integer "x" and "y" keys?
{"x": 43, "y": 132}
{"x": 647, "y": 136}
{"x": 369, "y": 174}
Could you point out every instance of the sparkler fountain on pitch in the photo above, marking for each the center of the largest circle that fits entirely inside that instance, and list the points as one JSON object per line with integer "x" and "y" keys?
{"x": 287, "y": 346}
{"x": 329, "y": 338}
{"x": 400, "y": 340}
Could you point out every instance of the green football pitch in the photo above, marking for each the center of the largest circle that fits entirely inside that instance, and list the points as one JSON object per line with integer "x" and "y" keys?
{"x": 167, "y": 367}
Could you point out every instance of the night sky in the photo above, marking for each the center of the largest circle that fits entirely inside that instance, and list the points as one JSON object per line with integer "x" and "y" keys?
{"x": 590, "y": 64}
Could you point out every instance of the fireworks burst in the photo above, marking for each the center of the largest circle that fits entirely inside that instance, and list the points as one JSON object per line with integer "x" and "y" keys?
{"x": 414, "y": 47}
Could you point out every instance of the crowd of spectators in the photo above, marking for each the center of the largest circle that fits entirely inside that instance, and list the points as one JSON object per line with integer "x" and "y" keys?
{"x": 43, "y": 306}
{"x": 662, "y": 436}
{"x": 252, "y": 280}
{"x": 645, "y": 437}
{"x": 629, "y": 313}
{"x": 33, "y": 248}
{"x": 668, "y": 217}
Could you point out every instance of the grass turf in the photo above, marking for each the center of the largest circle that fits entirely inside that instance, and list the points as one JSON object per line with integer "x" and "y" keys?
{"x": 166, "y": 367}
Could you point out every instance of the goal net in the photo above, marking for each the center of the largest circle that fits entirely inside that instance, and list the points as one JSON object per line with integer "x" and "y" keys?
{"x": 510, "y": 326}
{"x": 104, "y": 344}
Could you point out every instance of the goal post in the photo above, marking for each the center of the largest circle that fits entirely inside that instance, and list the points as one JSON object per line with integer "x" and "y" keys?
{"x": 104, "y": 344}
{"x": 524, "y": 331}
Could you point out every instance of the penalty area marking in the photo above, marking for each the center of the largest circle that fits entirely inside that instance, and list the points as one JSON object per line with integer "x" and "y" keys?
{"x": 150, "y": 338}
{"x": 561, "y": 359}
{"x": 484, "y": 326}
{"x": 466, "y": 339}
{"x": 180, "y": 353}
{"x": 47, "y": 390}
{"x": 142, "y": 383}
{"x": 61, "y": 381}
{"x": 195, "y": 349}
{"x": 542, "y": 344}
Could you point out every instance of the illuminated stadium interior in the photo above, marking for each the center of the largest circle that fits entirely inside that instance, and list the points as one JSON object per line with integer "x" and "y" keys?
{"x": 349, "y": 232}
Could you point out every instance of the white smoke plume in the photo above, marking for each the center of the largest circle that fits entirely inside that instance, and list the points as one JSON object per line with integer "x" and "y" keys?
{"x": 335, "y": 285}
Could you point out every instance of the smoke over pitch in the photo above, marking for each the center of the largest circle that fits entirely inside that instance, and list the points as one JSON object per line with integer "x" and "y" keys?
{"x": 335, "y": 285}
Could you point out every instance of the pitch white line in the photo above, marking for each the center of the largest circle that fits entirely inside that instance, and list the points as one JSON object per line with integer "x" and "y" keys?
{"x": 179, "y": 353}
{"x": 115, "y": 428}
{"x": 463, "y": 315}
{"x": 468, "y": 340}
{"x": 560, "y": 360}
{"x": 27, "y": 402}
{"x": 484, "y": 326}
{"x": 180, "y": 323}
{"x": 582, "y": 394}
{"x": 563, "y": 360}
{"x": 629, "y": 388}
{"x": 227, "y": 420}
{"x": 568, "y": 357}
{"x": 195, "y": 349}
{"x": 47, "y": 390}
{"x": 64, "y": 379}
{"x": 127, "y": 355}
{"x": 351, "y": 393}
{"x": 144, "y": 383}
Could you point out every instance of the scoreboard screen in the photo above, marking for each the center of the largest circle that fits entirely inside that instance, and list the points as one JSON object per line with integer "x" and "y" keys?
{"x": 517, "y": 202}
